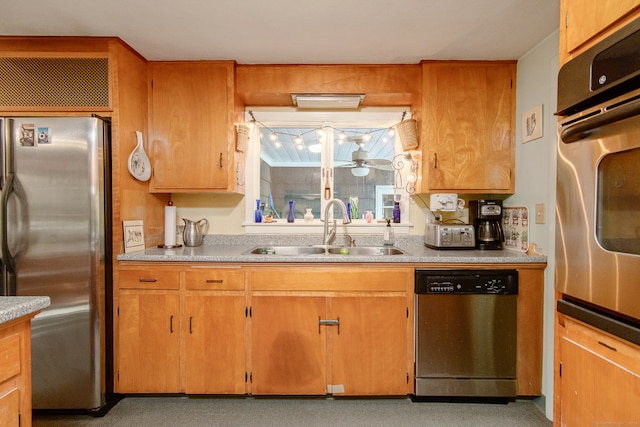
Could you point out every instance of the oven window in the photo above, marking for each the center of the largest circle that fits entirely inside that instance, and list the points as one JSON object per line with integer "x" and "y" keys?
{"x": 618, "y": 202}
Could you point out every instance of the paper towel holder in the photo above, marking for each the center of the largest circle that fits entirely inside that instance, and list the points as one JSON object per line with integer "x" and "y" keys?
{"x": 165, "y": 246}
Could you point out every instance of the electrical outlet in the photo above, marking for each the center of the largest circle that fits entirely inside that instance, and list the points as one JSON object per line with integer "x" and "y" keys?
{"x": 540, "y": 214}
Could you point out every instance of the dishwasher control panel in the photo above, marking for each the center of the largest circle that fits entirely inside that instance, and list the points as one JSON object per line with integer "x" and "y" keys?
{"x": 498, "y": 282}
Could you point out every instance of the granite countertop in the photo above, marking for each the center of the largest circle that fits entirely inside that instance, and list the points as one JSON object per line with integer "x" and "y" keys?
{"x": 234, "y": 249}
{"x": 12, "y": 308}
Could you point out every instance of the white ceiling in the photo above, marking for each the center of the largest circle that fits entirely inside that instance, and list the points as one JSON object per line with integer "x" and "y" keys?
{"x": 297, "y": 31}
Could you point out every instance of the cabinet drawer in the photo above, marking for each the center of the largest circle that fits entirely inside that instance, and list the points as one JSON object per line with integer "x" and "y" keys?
{"x": 226, "y": 279}
{"x": 149, "y": 279}
{"x": 331, "y": 279}
{"x": 612, "y": 348}
{"x": 9, "y": 357}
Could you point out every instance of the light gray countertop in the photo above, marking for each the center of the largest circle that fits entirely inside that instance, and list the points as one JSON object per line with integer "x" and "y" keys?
{"x": 12, "y": 308}
{"x": 234, "y": 250}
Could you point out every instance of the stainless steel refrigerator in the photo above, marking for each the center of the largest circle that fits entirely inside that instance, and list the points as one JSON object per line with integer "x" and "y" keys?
{"x": 54, "y": 224}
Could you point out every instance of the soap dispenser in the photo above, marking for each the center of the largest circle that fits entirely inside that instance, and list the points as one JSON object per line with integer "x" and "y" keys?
{"x": 387, "y": 237}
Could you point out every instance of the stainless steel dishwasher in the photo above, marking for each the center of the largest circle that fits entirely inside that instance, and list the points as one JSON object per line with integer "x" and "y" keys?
{"x": 466, "y": 333}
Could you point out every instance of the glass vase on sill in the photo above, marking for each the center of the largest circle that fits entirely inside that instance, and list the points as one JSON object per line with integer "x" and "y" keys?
{"x": 308, "y": 216}
{"x": 291, "y": 217}
{"x": 258, "y": 212}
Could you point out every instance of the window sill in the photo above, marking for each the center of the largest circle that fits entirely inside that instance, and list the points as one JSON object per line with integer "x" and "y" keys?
{"x": 317, "y": 227}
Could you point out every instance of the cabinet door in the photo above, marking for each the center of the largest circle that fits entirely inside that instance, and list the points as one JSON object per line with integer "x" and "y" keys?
{"x": 214, "y": 334}
{"x": 149, "y": 342}
{"x": 190, "y": 125}
{"x": 600, "y": 378}
{"x": 369, "y": 350}
{"x": 10, "y": 408}
{"x": 585, "y": 19}
{"x": 468, "y": 127}
{"x": 288, "y": 345}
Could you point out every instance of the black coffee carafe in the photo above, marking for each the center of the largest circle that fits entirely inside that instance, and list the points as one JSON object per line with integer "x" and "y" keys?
{"x": 486, "y": 217}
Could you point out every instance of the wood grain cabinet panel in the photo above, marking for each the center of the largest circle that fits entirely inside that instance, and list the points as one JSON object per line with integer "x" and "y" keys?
{"x": 468, "y": 124}
{"x": 369, "y": 351}
{"x": 288, "y": 345}
{"x": 214, "y": 343}
{"x": 149, "y": 342}
{"x": 598, "y": 377}
{"x": 585, "y": 22}
{"x": 181, "y": 330}
{"x": 15, "y": 372}
{"x": 192, "y": 126}
{"x": 331, "y": 330}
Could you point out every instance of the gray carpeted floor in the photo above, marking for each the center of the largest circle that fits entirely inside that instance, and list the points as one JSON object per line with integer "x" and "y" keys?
{"x": 264, "y": 412}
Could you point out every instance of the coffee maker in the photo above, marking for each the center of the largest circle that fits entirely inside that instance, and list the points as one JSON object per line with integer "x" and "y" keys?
{"x": 486, "y": 217}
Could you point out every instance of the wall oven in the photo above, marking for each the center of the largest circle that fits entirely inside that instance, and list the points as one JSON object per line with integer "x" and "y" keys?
{"x": 598, "y": 183}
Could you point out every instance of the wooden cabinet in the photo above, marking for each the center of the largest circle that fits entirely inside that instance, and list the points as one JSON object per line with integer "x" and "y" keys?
{"x": 181, "y": 330}
{"x": 597, "y": 376}
{"x": 15, "y": 372}
{"x": 319, "y": 330}
{"x": 530, "y": 327}
{"x": 149, "y": 334}
{"x": 288, "y": 345}
{"x": 468, "y": 123}
{"x": 296, "y": 329}
{"x": 193, "y": 113}
{"x": 214, "y": 331}
{"x": 584, "y": 22}
{"x": 148, "y": 315}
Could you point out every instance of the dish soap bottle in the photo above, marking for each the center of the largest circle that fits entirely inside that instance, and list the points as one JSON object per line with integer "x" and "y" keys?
{"x": 387, "y": 236}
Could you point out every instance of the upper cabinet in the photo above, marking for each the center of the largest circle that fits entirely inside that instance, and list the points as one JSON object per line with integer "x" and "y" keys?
{"x": 192, "y": 118}
{"x": 584, "y": 22}
{"x": 468, "y": 122}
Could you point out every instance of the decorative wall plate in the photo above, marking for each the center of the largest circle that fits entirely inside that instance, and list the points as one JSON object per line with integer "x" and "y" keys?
{"x": 139, "y": 164}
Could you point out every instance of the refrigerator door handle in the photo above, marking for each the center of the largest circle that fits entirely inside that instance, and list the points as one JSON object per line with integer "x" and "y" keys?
{"x": 7, "y": 259}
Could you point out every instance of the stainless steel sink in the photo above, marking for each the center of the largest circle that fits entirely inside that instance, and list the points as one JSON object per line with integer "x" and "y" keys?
{"x": 366, "y": 250}
{"x": 286, "y": 250}
{"x": 319, "y": 250}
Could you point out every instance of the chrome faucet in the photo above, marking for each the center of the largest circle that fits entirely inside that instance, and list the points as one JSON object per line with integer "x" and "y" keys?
{"x": 330, "y": 235}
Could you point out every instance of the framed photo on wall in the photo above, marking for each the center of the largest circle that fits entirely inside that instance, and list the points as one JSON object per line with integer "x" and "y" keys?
{"x": 133, "y": 236}
{"x": 532, "y": 124}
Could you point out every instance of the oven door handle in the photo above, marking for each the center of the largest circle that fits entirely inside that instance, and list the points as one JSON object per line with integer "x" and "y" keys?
{"x": 619, "y": 111}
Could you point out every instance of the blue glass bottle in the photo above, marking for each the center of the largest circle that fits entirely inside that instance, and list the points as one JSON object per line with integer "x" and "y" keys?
{"x": 258, "y": 213}
{"x": 291, "y": 217}
{"x": 396, "y": 212}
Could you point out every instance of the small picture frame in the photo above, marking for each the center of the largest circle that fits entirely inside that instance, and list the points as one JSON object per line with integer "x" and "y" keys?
{"x": 133, "y": 236}
{"x": 532, "y": 124}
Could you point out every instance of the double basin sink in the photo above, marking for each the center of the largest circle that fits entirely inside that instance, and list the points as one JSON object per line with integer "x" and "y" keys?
{"x": 324, "y": 250}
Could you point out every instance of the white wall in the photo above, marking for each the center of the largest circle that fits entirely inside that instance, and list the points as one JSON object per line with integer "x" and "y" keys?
{"x": 536, "y": 177}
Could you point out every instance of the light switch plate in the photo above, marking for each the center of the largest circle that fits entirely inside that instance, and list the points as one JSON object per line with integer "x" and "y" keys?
{"x": 540, "y": 214}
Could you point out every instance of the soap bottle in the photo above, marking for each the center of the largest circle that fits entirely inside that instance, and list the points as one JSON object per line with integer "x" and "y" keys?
{"x": 387, "y": 236}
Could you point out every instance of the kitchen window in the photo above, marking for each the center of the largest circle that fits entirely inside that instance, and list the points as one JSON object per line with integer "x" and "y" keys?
{"x": 309, "y": 158}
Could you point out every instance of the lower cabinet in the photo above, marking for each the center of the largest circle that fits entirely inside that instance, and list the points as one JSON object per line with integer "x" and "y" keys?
{"x": 597, "y": 379}
{"x": 214, "y": 323}
{"x": 15, "y": 372}
{"x": 349, "y": 334}
{"x": 149, "y": 342}
{"x": 278, "y": 329}
{"x": 181, "y": 331}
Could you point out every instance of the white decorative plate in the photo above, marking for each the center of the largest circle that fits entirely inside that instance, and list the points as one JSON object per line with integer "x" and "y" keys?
{"x": 139, "y": 164}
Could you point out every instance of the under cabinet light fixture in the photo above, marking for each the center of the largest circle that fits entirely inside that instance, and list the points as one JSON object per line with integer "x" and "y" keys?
{"x": 322, "y": 101}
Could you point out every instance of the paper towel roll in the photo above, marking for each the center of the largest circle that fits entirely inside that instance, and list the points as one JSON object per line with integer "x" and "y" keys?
{"x": 170, "y": 225}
